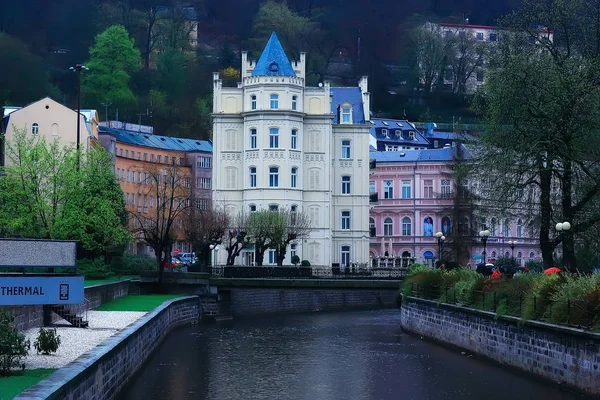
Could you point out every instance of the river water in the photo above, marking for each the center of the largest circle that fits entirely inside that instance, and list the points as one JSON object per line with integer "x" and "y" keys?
{"x": 322, "y": 356}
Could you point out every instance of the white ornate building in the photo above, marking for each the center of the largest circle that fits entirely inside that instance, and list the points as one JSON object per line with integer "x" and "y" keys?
{"x": 280, "y": 144}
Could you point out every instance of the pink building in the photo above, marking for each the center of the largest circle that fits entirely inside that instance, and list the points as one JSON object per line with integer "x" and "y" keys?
{"x": 413, "y": 198}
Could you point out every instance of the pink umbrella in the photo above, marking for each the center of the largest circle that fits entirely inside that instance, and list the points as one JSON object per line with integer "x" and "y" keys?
{"x": 552, "y": 270}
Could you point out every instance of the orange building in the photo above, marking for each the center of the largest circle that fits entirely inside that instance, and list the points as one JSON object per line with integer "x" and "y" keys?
{"x": 139, "y": 155}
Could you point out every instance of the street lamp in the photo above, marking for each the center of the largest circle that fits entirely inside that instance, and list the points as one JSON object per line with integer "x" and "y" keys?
{"x": 214, "y": 248}
{"x": 512, "y": 245}
{"x": 440, "y": 237}
{"x": 563, "y": 227}
{"x": 485, "y": 234}
{"x": 79, "y": 68}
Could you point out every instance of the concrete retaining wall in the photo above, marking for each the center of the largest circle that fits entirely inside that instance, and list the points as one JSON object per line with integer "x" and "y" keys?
{"x": 27, "y": 317}
{"x": 252, "y": 301}
{"x": 562, "y": 355}
{"x": 103, "y": 371}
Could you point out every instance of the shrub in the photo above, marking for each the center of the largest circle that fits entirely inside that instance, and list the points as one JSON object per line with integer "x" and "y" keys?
{"x": 576, "y": 301}
{"x": 295, "y": 260}
{"x": 535, "y": 265}
{"x": 305, "y": 263}
{"x": 94, "y": 269}
{"x": 425, "y": 284}
{"x": 539, "y": 297}
{"x": 13, "y": 345}
{"x": 47, "y": 341}
{"x": 417, "y": 268}
{"x": 130, "y": 264}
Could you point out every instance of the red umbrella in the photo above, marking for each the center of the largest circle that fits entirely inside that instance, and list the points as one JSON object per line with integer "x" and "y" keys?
{"x": 552, "y": 270}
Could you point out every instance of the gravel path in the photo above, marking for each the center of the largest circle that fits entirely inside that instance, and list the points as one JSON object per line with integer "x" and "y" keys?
{"x": 76, "y": 341}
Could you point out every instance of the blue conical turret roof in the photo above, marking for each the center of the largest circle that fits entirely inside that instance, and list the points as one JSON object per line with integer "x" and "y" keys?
{"x": 273, "y": 60}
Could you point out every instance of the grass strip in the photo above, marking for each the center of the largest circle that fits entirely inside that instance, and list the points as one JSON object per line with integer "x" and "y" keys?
{"x": 137, "y": 302}
{"x": 11, "y": 386}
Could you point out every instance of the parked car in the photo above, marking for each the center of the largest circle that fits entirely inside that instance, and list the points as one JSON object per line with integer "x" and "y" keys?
{"x": 187, "y": 258}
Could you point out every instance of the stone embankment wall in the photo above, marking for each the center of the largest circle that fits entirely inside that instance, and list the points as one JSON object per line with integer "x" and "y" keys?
{"x": 253, "y": 301}
{"x": 27, "y": 317}
{"x": 563, "y": 355}
{"x": 103, "y": 371}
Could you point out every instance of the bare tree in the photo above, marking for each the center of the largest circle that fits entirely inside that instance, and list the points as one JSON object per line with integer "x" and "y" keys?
{"x": 266, "y": 229}
{"x": 236, "y": 238}
{"x": 430, "y": 49}
{"x": 204, "y": 228}
{"x": 465, "y": 55}
{"x": 297, "y": 226}
{"x": 157, "y": 213}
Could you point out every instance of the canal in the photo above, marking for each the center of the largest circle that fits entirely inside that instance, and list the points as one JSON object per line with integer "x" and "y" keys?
{"x": 323, "y": 356}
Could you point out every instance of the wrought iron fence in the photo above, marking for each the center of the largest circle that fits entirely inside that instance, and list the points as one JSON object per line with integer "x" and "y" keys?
{"x": 354, "y": 271}
{"x": 574, "y": 313}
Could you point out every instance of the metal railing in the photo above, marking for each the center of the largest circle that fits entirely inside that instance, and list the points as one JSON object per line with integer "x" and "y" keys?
{"x": 574, "y": 313}
{"x": 353, "y": 271}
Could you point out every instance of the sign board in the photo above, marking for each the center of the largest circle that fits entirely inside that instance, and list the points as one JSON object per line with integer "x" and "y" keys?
{"x": 17, "y": 253}
{"x": 32, "y": 290}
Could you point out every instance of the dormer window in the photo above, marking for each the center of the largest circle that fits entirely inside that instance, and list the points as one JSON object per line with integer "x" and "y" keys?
{"x": 411, "y": 135}
{"x": 398, "y": 133}
{"x": 346, "y": 115}
{"x": 253, "y": 102}
{"x": 35, "y": 129}
{"x": 294, "y": 102}
{"x": 274, "y": 102}
{"x": 384, "y": 132}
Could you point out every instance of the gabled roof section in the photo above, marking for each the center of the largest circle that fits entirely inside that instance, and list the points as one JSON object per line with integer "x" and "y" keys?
{"x": 446, "y": 154}
{"x": 352, "y": 95}
{"x": 273, "y": 60}
{"x": 158, "y": 141}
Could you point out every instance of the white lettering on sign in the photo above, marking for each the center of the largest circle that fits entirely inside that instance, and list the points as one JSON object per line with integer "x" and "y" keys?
{"x": 22, "y": 290}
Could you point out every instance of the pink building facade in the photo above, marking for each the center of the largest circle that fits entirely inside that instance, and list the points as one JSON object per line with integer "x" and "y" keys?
{"x": 412, "y": 199}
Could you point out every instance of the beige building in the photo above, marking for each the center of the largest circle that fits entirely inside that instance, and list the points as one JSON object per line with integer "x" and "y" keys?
{"x": 280, "y": 144}
{"x": 51, "y": 120}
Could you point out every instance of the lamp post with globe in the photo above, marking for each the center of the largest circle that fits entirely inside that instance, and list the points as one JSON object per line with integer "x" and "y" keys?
{"x": 563, "y": 227}
{"x": 441, "y": 238}
{"x": 484, "y": 235}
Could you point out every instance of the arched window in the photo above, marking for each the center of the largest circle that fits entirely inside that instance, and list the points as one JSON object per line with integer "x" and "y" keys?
{"x": 54, "y": 129}
{"x": 274, "y": 101}
{"x": 493, "y": 254}
{"x": 506, "y": 228}
{"x": 406, "y": 227}
{"x": 388, "y": 228}
{"x": 520, "y": 258}
{"x": 531, "y": 255}
{"x": 372, "y": 228}
{"x": 519, "y": 228}
{"x": 507, "y": 255}
{"x": 294, "y": 102}
{"x": 35, "y": 129}
{"x": 406, "y": 254}
{"x": 493, "y": 227}
{"x": 253, "y": 102}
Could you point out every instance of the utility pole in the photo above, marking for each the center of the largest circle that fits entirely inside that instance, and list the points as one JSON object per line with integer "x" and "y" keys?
{"x": 79, "y": 68}
{"x": 106, "y": 104}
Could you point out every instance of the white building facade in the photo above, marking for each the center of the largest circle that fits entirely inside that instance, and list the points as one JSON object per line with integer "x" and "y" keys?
{"x": 278, "y": 144}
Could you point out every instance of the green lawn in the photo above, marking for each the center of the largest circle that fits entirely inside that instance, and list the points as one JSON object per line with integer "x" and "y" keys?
{"x": 137, "y": 302}
{"x": 92, "y": 282}
{"x": 11, "y": 386}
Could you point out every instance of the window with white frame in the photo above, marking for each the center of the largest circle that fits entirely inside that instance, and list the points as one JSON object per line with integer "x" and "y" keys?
{"x": 273, "y": 207}
{"x": 388, "y": 227}
{"x": 35, "y": 129}
{"x": 372, "y": 187}
{"x": 253, "y": 138}
{"x": 493, "y": 227}
{"x": 294, "y": 177}
{"x": 479, "y": 35}
{"x": 345, "y": 220}
{"x": 274, "y": 176}
{"x": 388, "y": 189}
{"x": 506, "y": 228}
{"x": 428, "y": 188}
{"x": 372, "y": 228}
{"x": 252, "y": 208}
{"x": 272, "y": 256}
{"x": 253, "y": 102}
{"x": 252, "y": 176}
{"x": 345, "y": 185}
{"x": 203, "y": 162}
{"x": 202, "y": 204}
{"x": 411, "y": 135}
{"x": 294, "y": 102}
{"x": 294, "y": 139}
{"x": 274, "y": 138}
{"x": 445, "y": 187}
{"x": 345, "y": 149}
{"x": 384, "y": 132}
{"x": 293, "y": 250}
{"x": 346, "y": 117}
{"x": 519, "y": 228}
{"x": 274, "y": 101}
{"x": 345, "y": 259}
{"x": 406, "y": 226}
{"x": 406, "y": 192}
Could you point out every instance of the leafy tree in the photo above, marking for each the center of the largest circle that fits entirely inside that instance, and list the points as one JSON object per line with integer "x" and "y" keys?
{"x": 159, "y": 226}
{"x": 465, "y": 54}
{"x": 44, "y": 195}
{"x": 542, "y": 94}
{"x": 13, "y": 344}
{"x": 204, "y": 228}
{"x": 430, "y": 49}
{"x": 175, "y": 29}
{"x": 266, "y": 230}
{"x": 113, "y": 59}
{"x": 297, "y": 226}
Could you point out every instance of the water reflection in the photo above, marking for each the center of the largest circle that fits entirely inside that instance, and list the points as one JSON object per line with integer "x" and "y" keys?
{"x": 329, "y": 356}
